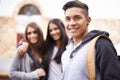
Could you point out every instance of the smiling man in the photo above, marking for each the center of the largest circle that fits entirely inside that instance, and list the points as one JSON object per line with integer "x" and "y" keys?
{"x": 74, "y": 57}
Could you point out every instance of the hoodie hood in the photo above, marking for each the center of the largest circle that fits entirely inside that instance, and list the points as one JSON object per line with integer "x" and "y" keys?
{"x": 92, "y": 34}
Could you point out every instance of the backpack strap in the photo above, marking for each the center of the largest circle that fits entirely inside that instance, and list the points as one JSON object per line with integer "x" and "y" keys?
{"x": 33, "y": 59}
{"x": 36, "y": 64}
{"x": 91, "y": 58}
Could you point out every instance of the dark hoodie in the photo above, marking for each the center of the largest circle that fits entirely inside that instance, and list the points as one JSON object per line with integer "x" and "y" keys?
{"x": 107, "y": 62}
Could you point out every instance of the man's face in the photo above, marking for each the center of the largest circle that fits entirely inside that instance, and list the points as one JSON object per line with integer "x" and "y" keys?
{"x": 76, "y": 22}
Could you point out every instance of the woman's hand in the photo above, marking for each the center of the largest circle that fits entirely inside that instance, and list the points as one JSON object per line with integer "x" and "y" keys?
{"x": 22, "y": 49}
{"x": 41, "y": 72}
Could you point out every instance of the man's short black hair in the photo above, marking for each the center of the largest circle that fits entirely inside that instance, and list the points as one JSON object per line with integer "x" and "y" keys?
{"x": 76, "y": 3}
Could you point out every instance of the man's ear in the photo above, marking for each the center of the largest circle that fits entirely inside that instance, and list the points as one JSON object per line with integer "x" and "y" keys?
{"x": 88, "y": 20}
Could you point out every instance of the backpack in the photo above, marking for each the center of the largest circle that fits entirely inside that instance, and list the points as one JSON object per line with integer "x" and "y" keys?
{"x": 91, "y": 58}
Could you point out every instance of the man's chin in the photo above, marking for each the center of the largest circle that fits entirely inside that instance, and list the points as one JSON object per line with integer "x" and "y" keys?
{"x": 73, "y": 35}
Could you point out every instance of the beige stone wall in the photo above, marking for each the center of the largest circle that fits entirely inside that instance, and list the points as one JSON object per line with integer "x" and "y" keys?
{"x": 7, "y": 37}
{"x": 110, "y": 25}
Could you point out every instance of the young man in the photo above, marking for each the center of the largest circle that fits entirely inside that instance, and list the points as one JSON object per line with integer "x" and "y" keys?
{"x": 74, "y": 58}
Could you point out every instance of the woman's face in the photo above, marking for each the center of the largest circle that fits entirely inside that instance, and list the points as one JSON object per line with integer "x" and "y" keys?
{"x": 54, "y": 31}
{"x": 32, "y": 35}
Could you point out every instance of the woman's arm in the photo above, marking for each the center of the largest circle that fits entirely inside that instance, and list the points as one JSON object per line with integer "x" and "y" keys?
{"x": 18, "y": 72}
{"x": 22, "y": 49}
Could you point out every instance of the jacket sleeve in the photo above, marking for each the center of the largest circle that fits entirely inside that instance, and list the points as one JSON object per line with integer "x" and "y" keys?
{"x": 107, "y": 62}
{"x": 17, "y": 72}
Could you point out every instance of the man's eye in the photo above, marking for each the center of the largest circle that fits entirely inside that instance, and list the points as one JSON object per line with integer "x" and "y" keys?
{"x": 67, "y": 19}
{"x": 77, "y": 18}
